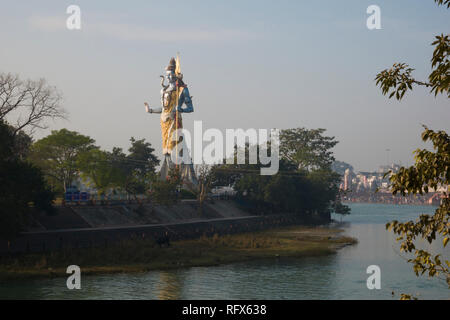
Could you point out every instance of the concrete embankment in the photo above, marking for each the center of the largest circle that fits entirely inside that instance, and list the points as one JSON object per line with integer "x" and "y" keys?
{"x": 94, "y": 226}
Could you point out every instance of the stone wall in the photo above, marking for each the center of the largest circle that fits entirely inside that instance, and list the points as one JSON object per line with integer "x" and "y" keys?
{"x": 234, "y": 221}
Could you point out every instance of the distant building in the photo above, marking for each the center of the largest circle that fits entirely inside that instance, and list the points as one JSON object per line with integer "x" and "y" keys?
{"x": 347, "y": 179}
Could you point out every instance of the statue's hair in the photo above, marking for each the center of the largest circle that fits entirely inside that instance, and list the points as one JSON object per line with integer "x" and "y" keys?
{"x": 172, "y": 64}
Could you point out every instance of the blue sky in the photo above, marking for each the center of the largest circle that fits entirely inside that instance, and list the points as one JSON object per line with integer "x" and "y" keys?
{"x": 248, "y": 64}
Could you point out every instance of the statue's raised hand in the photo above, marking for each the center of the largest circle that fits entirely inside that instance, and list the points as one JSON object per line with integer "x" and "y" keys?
{"x": 147, "y": 108}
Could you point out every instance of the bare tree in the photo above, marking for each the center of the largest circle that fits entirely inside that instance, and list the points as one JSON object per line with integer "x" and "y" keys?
{"x": 204, "y": 176}
{"x": 31, "y": 102}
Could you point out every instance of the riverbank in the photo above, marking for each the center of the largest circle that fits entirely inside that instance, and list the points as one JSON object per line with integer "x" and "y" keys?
{"x": 141, "y": 255}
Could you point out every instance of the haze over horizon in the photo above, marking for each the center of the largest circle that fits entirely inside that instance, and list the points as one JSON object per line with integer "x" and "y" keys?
{"x": 248, "y": 65}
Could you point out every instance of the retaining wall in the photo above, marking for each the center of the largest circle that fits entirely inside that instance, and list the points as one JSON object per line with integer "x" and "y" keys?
{"x": 43, "y": 241}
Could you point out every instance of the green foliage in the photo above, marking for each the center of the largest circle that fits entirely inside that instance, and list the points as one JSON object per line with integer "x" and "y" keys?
{"x": 440, "y": 76}
{"x": 307, "y": 149}
{"x": 340, "y": 208}
{"x": 57, "y": 155}
{"x": 96, "y": 168}
{"x": 134, "y": 172}
{"x": 229, "y": 174}
{"x": 21, "y": 186}
{"x": 65, "y": 155}
{"x": 398, "y": 79}
{"x": 431, "y": 169}
{"x": 165, "y": 192}
{"x": 141, "y": 154}
{"x": 186, "y": 194}
{"x": 251, "y": 189}
{"x": 304, "y": 184}
{"x": 443, "y": 2}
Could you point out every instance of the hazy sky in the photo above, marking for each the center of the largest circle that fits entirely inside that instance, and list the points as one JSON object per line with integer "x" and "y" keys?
{"x": 248, "y": 64}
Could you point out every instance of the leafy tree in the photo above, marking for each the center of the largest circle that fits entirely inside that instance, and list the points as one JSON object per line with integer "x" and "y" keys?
{"x": 141, "y": 153}
{"x": 229, "y": 174}
{"x": 397, "y": 80}
{"x": 166, "y": 191}
{"x": 136, "y": 170}
{"x": 119, "y": 161}
{"x": 304, "y": 183}
{"x": 431, "y": 169}
{"x": 298, "y": 192}
{"x": 251, "y": 191}
{"x": 57, "y": 155}
{"x": 288, "y": 193}
{"x": 97, "y": 168}
{"x": 21, "y": 142}
{"x": 21, "y": 186}
{"x": 307, "y": 149}
{"x": 311, "y": 151}
{"x": 340, "y": 208}
{"x": 325, "y": 190}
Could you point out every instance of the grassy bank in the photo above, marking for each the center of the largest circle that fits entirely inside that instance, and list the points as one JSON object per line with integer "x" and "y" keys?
{"x": 144, "y": 255}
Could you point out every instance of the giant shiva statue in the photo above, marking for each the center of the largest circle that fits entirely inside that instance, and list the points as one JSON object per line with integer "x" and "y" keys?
{"x": 175, "y": 100}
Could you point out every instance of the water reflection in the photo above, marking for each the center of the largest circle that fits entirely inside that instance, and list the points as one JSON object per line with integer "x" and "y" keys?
{"x": 266, "y": 279}
{"x": 170, "y": 285}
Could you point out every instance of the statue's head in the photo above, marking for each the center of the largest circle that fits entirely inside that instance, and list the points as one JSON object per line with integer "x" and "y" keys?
{"x": 171, "y": 77}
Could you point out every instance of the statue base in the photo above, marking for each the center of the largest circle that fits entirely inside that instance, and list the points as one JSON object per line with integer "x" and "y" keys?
{"x": 187, "y": 172}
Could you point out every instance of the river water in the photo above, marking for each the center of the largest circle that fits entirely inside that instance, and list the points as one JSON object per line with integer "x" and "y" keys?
{"x": 339, "y": 276}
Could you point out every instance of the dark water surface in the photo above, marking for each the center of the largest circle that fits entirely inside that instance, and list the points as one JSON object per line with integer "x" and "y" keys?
{"x": 339, "y": 276}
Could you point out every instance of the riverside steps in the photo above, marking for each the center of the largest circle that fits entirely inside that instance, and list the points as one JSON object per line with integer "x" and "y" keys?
{"x": 101, "y": 226}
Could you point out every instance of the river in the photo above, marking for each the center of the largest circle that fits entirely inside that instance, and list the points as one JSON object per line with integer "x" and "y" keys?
{"x": 339, "y": 276}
